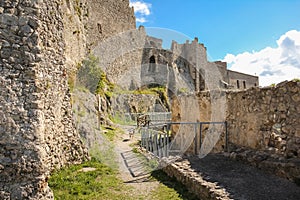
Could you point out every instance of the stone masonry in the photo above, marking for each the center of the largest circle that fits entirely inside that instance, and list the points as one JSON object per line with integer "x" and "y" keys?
{"x": 37, "y": 133}
{"x": 263, "y": 125}
{"x": 41, "y": 44}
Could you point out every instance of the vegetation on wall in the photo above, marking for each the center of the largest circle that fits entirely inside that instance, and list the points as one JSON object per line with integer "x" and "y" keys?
{"x": 157, "y": 90}
{"x": 296, "y": 79}
{"x": 92, "y": 77}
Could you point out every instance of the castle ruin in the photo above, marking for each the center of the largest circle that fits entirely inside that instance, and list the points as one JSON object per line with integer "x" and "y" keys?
{"x": 41, "y": 44}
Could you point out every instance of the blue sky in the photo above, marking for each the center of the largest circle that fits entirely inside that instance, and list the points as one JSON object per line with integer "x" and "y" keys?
{"x": 241, "y": 32}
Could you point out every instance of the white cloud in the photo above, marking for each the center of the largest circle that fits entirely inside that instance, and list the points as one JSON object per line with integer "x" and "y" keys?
{"x": 273, "y": 65}
{"x": 141, "y": 9}
{"x": 141, "y": 20}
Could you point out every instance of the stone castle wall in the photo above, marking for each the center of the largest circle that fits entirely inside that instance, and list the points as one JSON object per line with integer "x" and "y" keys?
{"x": 107, "y": 18}
{"x": 258, "y": 118}
{"x": 41, "y": 44}
{"x": 37, "y": 132}
{"x": 266, "y": 118}
{"x": 265, "y": 121}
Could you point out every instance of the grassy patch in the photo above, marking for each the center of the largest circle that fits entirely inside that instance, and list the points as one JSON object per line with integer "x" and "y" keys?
{"x": 150, "y": 164}
{"x": 170, "y": 188}
{"x": 71, "y": 183}
{"x": 111, "y": 132}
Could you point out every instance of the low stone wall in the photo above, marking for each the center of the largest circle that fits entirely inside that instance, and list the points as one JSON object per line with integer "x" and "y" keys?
{"x": 266, "y": 118}
{"x": 183, "y": 172}
{"x": 259, "y": 119}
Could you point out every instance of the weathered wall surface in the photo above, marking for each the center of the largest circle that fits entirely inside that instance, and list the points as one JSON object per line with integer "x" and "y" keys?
{"x": 258, "y": 118}
{"x": 36, "y": 128}
{"x": 266, "y": 120}
{"x": 107, "y": 18}
{"x": 137, "y": 103}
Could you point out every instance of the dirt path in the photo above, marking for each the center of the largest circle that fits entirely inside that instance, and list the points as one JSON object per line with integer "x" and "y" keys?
{"x": 240, "y": 180}
{"x": 243, "y": 181}
{"x": 132, "y": 169}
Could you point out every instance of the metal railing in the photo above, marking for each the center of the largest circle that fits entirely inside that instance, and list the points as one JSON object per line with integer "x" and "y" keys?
{"x": 131, "y": 118}
{"x": 154, "y": 141}
{"x": 159, "y": 116}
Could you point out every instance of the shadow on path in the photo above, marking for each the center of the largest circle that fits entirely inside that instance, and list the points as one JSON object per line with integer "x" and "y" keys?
{"x": 135, "y": 165}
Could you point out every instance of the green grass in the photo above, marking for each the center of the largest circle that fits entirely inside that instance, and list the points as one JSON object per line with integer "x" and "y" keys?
{"x": 70, "y": 183}
{"x": 111, "y": 132}
{"x": 170, "y": 188}
{"x": 118, "y": 118}
{"x": 105, "y": 154}
{"x": 150, "y": 165}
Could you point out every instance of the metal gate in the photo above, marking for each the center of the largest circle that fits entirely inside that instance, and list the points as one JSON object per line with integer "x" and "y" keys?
{"x": 155, "y": 141}
{"x": 156, "y": 138}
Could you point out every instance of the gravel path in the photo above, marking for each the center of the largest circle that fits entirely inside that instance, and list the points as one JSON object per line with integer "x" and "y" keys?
{"x": 243, "y": 181}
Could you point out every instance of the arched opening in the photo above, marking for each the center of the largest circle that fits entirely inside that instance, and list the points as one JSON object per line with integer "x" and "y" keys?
{"x": 152, "y": 64}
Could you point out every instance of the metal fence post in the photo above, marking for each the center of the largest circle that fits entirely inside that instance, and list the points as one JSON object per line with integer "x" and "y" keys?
{"x": 195, "y": 139}
{"x": 226, "y": 137}
{"x": 155, "y": 144}
{"x": 161, "y": 146}
{"x": 200, "y": 145}
{"x": 147, "y": 138}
